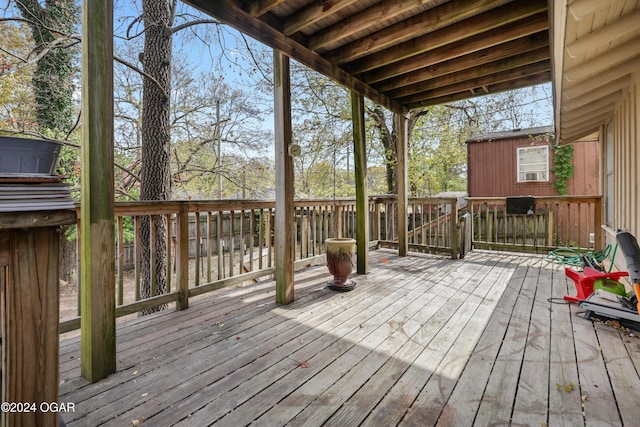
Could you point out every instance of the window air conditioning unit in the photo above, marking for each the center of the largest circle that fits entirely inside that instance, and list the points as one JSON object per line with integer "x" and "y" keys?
{"x": 533, "y": 176}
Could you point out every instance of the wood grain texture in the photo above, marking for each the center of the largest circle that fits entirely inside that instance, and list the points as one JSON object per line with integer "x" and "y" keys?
{"x": 422, "y": 340}
{"x": 30, "y": 324}
{"x": 97, "y": 255}
{"x": 362, "y": 197}
{"x": 285, "y": 229}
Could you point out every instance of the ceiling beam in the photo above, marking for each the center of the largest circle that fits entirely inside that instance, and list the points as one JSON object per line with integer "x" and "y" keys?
{"x": 538, "y": 58}
{"x": 605, "y": 34}
{"x": 475, "y": 26}
{"x": 314, "y": 12}
{"x": 260, "y": 7}
{"x": 229, "y": 12}
{"x": 471, "y": 60}
{"x": 490, "y": 80}
{"x": 398, "y": 34}
{"x": 526, "y": 81}
{"x": 334, "y": 35}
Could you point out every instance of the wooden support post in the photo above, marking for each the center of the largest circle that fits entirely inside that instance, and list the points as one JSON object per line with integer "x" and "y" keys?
{"x": 362, "y": 196}
{"x": 182, "y": 257}
{"x": 285, "y": 210}
{"x": 29, "y": 285}
{"x": 98, "y": 353}
{"x": 403, "y": 188}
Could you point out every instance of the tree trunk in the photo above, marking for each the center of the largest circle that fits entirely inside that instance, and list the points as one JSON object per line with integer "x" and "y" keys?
{"x": 155, "y": 173}
{"x": 389, "y": 139}
{"x": 52, "y": 79}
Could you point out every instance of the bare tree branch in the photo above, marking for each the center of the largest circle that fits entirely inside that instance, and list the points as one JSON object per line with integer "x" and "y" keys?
{"x": 124, "y": 169}
{"x": 146, "y": 75}
{"x": 192, "y": 23}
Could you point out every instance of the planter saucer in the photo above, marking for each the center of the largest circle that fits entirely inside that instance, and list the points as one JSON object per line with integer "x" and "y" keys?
{"x": 348, "y": 286}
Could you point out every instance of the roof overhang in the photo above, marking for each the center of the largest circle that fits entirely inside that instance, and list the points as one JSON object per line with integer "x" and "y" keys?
{"x": 404, "y": 54}
{"x": 596, "y": 58}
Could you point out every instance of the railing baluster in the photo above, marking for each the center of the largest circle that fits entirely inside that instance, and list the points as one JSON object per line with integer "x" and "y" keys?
{"x": 269, "y": 234}
{"x": 197, "y": 249}
{"x": 209, "y": 238}
{"x": 169, "y": 244}
{"x": 182, "y": 255}
{"x": 78, "y": 252}
{"x": 152, "y": 255}
{"x": 232, "y": 240}
{"x": 241, "y": 244}
{"x": 252, "y": 230}
{"x": 219, "y": 226}
{"x": 120, "y": 270}
{"x": 261, "y": 231}
{"x": 137, "y": 256}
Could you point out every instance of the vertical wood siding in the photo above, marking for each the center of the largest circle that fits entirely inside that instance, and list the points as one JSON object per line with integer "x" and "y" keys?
{"x": 492, "y": 170}
{"x": 626, "y": 200}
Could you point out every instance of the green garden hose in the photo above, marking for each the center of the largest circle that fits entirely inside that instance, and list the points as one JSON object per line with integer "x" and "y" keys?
{"x": 573, "y": 257}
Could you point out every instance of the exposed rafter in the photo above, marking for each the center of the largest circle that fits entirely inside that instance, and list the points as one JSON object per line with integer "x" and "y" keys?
{"x": 400, "y": 51}
{"x": 597, "y": 60}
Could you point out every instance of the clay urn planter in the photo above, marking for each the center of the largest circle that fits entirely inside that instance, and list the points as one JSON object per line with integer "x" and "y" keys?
{"x": 340, "y": 253}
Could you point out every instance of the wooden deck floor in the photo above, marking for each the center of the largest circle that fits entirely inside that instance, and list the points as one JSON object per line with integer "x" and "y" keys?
{"x": 421, "y": 341}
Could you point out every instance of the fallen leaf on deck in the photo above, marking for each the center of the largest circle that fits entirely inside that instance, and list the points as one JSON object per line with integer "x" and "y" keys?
{"x": 304, "y": 365}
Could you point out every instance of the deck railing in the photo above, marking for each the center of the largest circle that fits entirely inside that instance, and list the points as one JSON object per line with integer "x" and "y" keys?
{"x": 432, "y": 224}
{"x": 230, "y": 242}
{"x": 554, "y": 222}
{"x": 224, "y": 243}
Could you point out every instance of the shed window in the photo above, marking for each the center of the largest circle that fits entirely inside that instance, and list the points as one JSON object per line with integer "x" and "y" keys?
{"x": 533, "y": 164}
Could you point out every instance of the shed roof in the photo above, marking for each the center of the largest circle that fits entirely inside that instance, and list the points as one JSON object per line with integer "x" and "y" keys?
{"x": 510, "y": 134}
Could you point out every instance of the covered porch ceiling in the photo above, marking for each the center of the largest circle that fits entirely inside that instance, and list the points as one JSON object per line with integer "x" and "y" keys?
{"x": 596, "y": 50}
{"x": 404, "y": 54}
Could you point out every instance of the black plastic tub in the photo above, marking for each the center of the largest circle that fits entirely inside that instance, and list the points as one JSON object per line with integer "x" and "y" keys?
{"x": 24, "y": 156}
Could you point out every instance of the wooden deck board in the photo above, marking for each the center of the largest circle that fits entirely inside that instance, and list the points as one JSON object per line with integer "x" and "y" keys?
{"x": 565, "y": 405}
{"x": 422, "y": 340}
{"x": 357, "y": 378}
{"x": 428, "y": 406}
{"x": 497, "y": 400}
{"x": 533, "y": 386}
{"x": 462, "y": 406}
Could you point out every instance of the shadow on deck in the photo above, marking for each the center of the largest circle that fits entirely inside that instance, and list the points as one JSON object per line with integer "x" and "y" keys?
{"x": 422, "y": 340}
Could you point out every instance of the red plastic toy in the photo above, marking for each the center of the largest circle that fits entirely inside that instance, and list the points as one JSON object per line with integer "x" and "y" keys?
{"x": 584, "y": 280}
